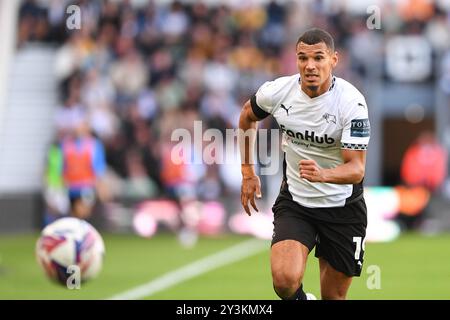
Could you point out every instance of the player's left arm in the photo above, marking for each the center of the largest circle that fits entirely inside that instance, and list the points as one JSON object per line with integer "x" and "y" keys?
{"x": 354, "y": 142}
{"x": 350, "y": 172}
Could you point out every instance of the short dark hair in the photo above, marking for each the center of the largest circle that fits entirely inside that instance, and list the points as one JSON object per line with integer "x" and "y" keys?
{"x": 316, "y": 35}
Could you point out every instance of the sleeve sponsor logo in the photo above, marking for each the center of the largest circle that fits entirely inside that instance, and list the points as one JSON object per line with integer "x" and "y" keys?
{"x": 360, "y": 128}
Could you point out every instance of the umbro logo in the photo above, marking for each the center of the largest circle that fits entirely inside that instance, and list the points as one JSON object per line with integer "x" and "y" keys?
{"x": 329, "y": 118}
{"x": 287, "y": 109}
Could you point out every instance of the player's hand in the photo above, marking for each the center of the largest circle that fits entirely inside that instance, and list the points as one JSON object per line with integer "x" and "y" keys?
{"x": 251, "y": 186}
{"x": 310, "y": 170}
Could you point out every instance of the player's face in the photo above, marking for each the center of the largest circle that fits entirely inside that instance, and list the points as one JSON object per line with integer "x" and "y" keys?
{"x": 315, "y": 63}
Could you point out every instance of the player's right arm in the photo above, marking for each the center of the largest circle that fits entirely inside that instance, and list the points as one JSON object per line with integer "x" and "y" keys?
{"x": 257, "y": 108}
{"x": 251, "y": 184}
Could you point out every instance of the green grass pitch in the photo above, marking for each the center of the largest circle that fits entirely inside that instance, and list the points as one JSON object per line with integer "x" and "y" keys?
{"x": 412, "y": 267}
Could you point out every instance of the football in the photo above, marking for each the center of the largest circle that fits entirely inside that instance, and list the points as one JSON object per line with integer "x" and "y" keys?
{"x": 70, "y": 248}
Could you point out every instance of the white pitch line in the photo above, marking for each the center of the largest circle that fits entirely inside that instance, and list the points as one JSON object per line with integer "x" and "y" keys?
{"x": 217, "y": 260}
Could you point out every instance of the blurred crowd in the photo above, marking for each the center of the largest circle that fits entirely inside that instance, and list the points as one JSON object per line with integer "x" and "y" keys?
{"x": 136, "y": 73}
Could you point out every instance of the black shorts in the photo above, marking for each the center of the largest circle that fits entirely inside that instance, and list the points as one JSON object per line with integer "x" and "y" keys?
{"x": 339, "y": 241}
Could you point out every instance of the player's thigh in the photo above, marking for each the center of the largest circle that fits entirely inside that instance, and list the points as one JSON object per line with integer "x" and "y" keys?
{"x": 340, "y": 251}
{"x": 342, "y": 246}
{"x": 334, "y": 284}
{"x": 290, "y": 224}
{"x": 293, "y": 239}
{"x": 288, "y": 262}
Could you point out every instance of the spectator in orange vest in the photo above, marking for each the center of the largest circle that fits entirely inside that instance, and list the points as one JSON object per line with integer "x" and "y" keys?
{"x": 84, "y": 166}
{"x": 425, "y": 163}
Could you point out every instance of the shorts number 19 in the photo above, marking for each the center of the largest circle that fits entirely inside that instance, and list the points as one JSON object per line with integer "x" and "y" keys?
{"x": 359, "y": 243}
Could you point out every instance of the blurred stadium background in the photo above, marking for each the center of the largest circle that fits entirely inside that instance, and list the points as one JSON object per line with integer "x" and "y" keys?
{"x": 137, "y": 70}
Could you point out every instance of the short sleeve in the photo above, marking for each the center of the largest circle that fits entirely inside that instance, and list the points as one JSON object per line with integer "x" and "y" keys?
{"x": 262, "y": 100}
{"x": 356, "y": 126}
{"x": 99, "y": 161}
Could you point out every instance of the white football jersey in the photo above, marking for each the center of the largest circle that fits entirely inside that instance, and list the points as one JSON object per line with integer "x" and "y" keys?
{"x": 315, "y": 128}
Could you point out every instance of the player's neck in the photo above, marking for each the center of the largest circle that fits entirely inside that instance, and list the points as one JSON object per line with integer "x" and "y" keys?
{"x": 317, "y": 91}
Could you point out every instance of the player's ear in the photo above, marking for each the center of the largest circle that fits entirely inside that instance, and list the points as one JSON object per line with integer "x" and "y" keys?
{"x": 334, "y": 59}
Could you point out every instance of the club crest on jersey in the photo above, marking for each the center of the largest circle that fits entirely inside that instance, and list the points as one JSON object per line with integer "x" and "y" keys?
{"x": 287, "y": 109}
{"x": 329, "y": 118}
